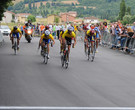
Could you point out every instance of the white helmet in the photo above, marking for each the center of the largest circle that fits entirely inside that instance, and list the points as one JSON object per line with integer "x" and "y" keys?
{"x": 70, "y": 28}
{"x": 47, "y": 32}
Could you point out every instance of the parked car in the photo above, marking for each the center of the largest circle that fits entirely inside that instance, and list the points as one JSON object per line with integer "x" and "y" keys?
{"x": 5, "y": 30}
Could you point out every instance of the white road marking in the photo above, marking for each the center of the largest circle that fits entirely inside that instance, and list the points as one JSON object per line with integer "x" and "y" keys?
{"x": 64, "y": 108}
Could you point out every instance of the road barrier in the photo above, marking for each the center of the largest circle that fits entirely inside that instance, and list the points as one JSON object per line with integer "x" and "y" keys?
{"x": 125, "y": 44}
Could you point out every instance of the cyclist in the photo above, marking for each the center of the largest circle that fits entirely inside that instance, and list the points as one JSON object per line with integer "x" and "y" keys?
{"x": 90, "y": 36}
{"x": 62, "y": 30}
{"x": 45, "y": 38}
{"x": 15, "y": 32}
{"x": 68, "y": 36}
{"x": 98, "y": 36}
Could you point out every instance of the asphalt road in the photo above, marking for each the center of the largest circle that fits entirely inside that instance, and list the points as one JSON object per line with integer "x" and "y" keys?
{"x": 25, "y": 81}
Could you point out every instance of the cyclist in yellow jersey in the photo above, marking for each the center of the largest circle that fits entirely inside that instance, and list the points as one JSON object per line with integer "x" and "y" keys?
{"x": 90, "y": 36}
{"x": 45, "y": 39}
{"x": 15, "y": 32}
{"x": 60, "y": 39}
{"x": 68, "y": 36}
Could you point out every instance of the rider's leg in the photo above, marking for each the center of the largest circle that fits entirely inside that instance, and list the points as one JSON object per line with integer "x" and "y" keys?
{"x": 48, "y": 48}
{"x": 92, "y": 46}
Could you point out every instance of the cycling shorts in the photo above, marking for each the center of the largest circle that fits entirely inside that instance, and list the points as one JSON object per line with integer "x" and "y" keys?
{"x": 46, "y": 41}
{"x": 16, "y": 35}
{"x": 68, "y": 40}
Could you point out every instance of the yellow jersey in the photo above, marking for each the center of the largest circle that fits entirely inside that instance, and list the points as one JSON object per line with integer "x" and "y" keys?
{"x": 88, "y": 33}
{"x": 49, "y": 37}
{"x": 66, "y": 34}
{"x": 17, "y": 31}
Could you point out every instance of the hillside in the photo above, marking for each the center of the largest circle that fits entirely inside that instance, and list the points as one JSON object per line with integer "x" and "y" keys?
{"x": 99, "y": 8}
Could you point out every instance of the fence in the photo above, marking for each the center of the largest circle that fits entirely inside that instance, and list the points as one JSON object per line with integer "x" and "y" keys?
{"x": 125, "y": 44}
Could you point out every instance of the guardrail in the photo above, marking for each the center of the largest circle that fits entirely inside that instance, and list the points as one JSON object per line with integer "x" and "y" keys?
{"x": 125, "y": 44}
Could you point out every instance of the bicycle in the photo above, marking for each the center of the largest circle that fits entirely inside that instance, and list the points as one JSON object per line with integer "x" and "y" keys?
{"x": 91, "y": 52}
{"x": 65, "y": 56}
{"x": 45, "y": 53}
{"x": 15, "y": 45}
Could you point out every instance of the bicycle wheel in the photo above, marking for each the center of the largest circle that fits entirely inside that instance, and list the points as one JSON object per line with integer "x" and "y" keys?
{"x": 15, "y": 48}
{"x": 89, "y": 53}
{"x": 62, "y": 60}
{"x": 66, "y": 60}
{"x": 46, "y": 58}
{"x": 93, "y": 53}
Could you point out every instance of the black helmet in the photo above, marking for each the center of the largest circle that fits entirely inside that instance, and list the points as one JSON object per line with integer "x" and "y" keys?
{"x": 15, "y": 27}
{"x": 29, "y": 21}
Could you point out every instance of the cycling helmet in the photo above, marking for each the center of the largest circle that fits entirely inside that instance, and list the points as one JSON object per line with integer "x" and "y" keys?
{"x": 46, "y": 27}
{"x": 70, "y": 28}
{"x": 92, "y": 32}
{"x": 15, "y": 27}
{"x": 96, "y": 29}
{"x": 47, "y": 32}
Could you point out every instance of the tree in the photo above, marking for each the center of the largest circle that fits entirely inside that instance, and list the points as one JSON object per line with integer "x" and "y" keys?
{"x": 29, "y": 4}
{"x": 122, "y": 9}
{"x": 56, "y": 20}
{"x": 32, "y": 18}
{"x": 4, "y": 4}
{"x": 129, "y": 10}
{"x": 132, "y": 19}
{"x": 127, "y": 19}
{"x": 48, "y": 5}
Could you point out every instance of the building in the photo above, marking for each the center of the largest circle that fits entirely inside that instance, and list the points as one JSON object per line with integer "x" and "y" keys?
{"x": 8, "y": 17}
{"x": 21, "y": 17}
{"x": 65, "y": 17}
{"x": 91, "y": 19}
{"x": 51, "y": 19}
{"x": 78, "y": 21}
{"x": 72, "y": 13}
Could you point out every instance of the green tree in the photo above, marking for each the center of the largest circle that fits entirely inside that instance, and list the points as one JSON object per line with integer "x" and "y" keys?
{"x": 132, "y": 19}
{"x": 48, "y": 5}
{"x": 129, "y": 10}
{"x": 122, "y": 9}
{"x": 4, "y": 4}
{"x": 56, "y": 20}
{"x": 32, "y": 18}
{"x": 29, "y": 4}
{"x": 127, "y": 19}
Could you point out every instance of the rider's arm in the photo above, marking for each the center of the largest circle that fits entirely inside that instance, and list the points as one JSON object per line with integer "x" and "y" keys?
{"x": 20, "y": 33}
{"x": 60, "y": 35}
{"x": 10, "y": 35}
{"x": 41, "y": 39}
{"x": 51, "y": 37}
{"x": 74, "y": 38}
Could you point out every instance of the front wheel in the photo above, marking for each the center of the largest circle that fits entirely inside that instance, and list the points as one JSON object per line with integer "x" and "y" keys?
{"x": 46, "y": 58}
{"x": 62, "y": 60}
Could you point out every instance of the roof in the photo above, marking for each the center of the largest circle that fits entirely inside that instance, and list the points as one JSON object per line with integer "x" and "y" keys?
{"x": 66, "y": 14}
{"x": 10, "y": 12}
{"x": 23, "y": 14}
{"x": 92, "y": 17}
